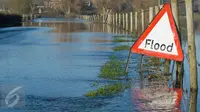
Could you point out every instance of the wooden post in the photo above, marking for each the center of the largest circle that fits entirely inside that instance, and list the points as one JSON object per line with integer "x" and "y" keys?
{"x": 97, "y": 18}
{"x": 156, "y": 10}
{"x": 123, "y": 21}
{"x": 131, "y": 22}
{"x": 120, "y": 20}
{"x": 142, "y": 19}
{"x": 109, "y": 19}
{"x": 136, "y": 23}
{"x": 116, "y": 19}
{"x": 191, "y": 45}
{"x": 127, "y": 22}
{"x": 113, "y": 20}
{"x": 150, "y": 14}
{"x": 90, "y": 18}
{"x": 93, "y": 18}
{"x": 179, "y": 65}
{"x": 104, "y": 15}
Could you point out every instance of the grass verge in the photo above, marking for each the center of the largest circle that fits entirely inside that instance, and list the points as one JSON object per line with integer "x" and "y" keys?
{"x": 108, "y": 90}
{"x": 121, "y": 48}
{"x": 112, "y": 69}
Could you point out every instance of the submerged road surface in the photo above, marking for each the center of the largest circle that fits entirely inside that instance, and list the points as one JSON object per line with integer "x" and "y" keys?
{"x": 49, "y": 66}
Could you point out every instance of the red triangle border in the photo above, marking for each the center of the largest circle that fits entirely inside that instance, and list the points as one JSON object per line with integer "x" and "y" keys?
{"x": 135, "y": 48}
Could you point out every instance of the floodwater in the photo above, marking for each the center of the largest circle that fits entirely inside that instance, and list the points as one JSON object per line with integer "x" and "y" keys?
{"x": 55, "y": 62}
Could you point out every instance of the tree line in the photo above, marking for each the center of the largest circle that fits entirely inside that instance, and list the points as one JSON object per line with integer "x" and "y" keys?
{"x": 83, "y": 6}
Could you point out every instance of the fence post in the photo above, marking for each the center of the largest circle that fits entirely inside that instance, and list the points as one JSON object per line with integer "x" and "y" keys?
{"x": 90, "y": 18}
{"x": 116, "y": 19}
{"x": 109, "y": 19}
{"x": 127, "y": 22}
{"x": 156, "y": 10}
{"x": 179, "y": 65}
{"x": 120, "y": 20}
{"x": 103, "y": 15}
{"x": 136, "y": 23}
{"x": 150, "y": 14}
{"x": 123, "y": 21}
{"x": 142, "y": 19}
{"x": 131, "y": 22}
{"x": 191, "y": 45}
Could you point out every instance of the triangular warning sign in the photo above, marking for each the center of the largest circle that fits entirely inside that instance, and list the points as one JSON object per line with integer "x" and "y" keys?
{"x": 160, "y": 39}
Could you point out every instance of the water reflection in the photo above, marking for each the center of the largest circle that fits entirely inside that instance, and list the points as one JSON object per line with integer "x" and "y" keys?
{"x": 156, "y": 96}
{"x": 69, "y": 27}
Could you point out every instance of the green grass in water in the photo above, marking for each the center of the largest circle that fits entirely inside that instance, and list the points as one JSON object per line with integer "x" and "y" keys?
{"x": 116, "y": 40}
{"x": 153, "y": 61}
{"x": 121, "y": 48}
{"x": 108, "y": 90}
{"x": 112, "y": 69}
{"x": 157, "y": 77}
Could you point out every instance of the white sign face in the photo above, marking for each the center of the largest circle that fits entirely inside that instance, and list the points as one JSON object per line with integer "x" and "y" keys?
{"x": 161, "y": 38}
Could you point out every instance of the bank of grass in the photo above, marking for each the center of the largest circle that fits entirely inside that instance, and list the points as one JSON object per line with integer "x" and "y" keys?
{"x": 108, "y": 90}
{"x": 153, "y": 62}
{"x": 121, "y": 48}
{"x": 112, "y": 69}
{"x": 118, "y": 39}
{"x": 158, "y": 77}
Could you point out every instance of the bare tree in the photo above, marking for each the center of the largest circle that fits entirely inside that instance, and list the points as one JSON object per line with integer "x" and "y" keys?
{"x": 19, "y": 6}
{"x": 108, "y": 6}
{"x": 143, "y": 4}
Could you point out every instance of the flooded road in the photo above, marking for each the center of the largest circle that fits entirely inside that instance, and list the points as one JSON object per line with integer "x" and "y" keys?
{"x": 55, "y": 62}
